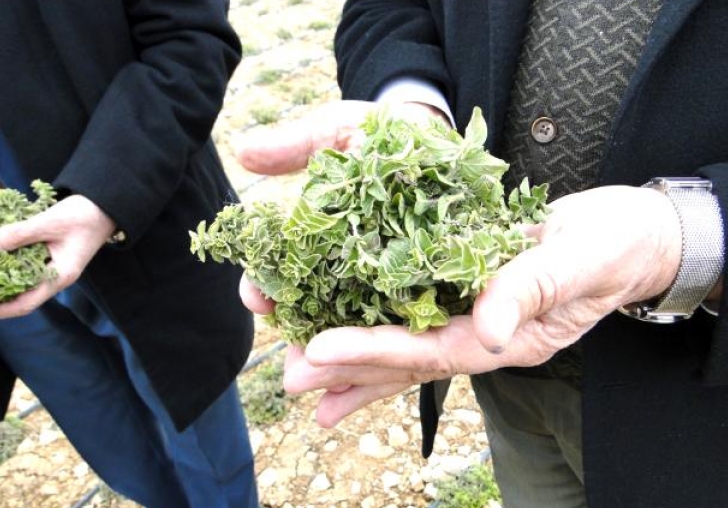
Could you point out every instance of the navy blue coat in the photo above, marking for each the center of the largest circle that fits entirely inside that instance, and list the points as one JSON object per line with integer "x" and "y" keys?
{"x": 117, "y": 103}
{"x": 655, "y": 403}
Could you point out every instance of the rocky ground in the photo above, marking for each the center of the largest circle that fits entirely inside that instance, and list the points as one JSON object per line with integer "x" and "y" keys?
{"x": 372, "y": 459}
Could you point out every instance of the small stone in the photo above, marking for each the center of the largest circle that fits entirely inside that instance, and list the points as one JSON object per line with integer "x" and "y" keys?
{"x": 267, "y": 478}
{"x": 371, "y": 446}
{"x": 26, "y": 445}
{"x": 430, "y": 491}
{"x": 452, "y": 432}
{"x": 81, "y": 470}
{"x": 397, "y": 437}
{"x": 330, "y": 446}
{"x": 390, "y": 480}
{"x": 467, "y": 416}
{"x": 47, "y": 436}
{"x": 416, "y": 483}
{"x": 305, "y": 466}
{"x": 464, "y": 450}
{"x": 257, "y": 437}
{"x": 320, "y": 483}
{"x": 481, "y": 437}
{"x": 432, "y": 474}
{"x": 441, "y": 444}
{"x": 49, "y": 489}
{"x": 454, "y": 465}
{"x": 369, "y": 502}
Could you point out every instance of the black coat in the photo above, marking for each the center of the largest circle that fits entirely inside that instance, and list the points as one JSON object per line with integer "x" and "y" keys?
{"x": 655, "y": 402}
{"x": 123, "y": 96}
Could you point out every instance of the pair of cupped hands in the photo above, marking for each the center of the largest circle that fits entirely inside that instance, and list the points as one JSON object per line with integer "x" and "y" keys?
{"x": 591, "y": 258}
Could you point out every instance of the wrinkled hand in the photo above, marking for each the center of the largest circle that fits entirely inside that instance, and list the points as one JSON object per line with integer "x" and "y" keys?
{"x": 592, "y": 257}
{"x": 74, "y": 229}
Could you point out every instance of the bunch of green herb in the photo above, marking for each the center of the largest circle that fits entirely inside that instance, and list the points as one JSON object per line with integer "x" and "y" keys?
{"x": 408, "y": 231}
{"x": 26, "y": 267}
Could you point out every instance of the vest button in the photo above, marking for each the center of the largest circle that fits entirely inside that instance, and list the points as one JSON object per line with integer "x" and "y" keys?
{"x": 543, "y": 130}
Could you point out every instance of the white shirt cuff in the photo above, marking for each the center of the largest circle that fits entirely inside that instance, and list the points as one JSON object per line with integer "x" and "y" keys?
{"x": 408, "y": 89}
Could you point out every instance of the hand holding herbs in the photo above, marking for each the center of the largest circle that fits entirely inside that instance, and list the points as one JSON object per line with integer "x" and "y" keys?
{"x": 24, "y": 268}
{"x": 409, "y": 231}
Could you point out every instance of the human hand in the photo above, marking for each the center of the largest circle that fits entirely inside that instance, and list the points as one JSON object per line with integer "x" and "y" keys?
{"x": 74, "y": 229}
{"x": 287, "y": 147}
{"x": 592, "y": 257}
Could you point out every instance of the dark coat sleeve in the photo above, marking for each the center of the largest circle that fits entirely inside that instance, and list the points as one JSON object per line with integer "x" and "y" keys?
{"x": 378, "y": 41}
{"x": 7, "y": 382}
{"x": 716, "y": 369}
{"x": 156, "y": 112}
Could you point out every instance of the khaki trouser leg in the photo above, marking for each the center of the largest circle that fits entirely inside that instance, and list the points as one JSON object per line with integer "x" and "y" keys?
{"x": 534, "y": 429}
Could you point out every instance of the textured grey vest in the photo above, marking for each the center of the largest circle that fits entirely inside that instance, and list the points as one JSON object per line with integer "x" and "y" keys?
{"x": 576, "y": 60}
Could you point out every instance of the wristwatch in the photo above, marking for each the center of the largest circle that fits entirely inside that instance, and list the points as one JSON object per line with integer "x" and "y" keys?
{"x": 702, "y": 251}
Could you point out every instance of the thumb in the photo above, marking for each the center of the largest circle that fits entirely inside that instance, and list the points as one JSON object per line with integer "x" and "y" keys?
{"x": 521, "y": 291}
{"x": 287, "y": 148}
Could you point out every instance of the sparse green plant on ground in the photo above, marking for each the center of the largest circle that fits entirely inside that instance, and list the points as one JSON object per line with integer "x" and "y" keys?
{"x": 284, "y": 34}
{"x": 303, "y": 96}
{"x": 265, "y": 114}
{"x": 295, "y": 2}
{"x": 12, "y": 433}
{"x": 109, "y": 498}
{"x": 268, "y": 76}
{"x": 320, "y": 25}
{"x": 474, "y": 488}
{"x": 262, "y": 393}
{"x": 250, "y": 49}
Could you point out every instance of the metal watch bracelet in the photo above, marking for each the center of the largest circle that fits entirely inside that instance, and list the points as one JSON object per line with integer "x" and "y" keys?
{"x": 701, "y": 263}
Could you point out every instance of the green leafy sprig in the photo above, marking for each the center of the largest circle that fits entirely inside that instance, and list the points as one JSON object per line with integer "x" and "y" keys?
{"x": 26, "y": 267}
{"x": 409, "y": 231}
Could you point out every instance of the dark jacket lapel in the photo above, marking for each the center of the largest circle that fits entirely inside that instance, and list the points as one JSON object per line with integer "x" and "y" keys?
{"x": 507, "y": 21}
{"x": 671, "y": 18}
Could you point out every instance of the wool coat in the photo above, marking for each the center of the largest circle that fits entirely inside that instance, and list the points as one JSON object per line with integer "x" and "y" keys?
{"x": 655, "y": 397}
{"x": 116, "y": 101}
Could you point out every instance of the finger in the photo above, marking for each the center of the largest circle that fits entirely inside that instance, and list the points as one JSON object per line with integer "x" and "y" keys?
{"x": 253, "y": 298}
{"x": 334, "y": 407}
{"x": 394, "y": 347}
{"x": 531, "y": 284}
{"x": 27, "y": 302}
{"x": 300, "y": 377}
{"x": 19, "y": 234}
{"x": 288, "y": 147}
{"x": 294, "y": 355}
